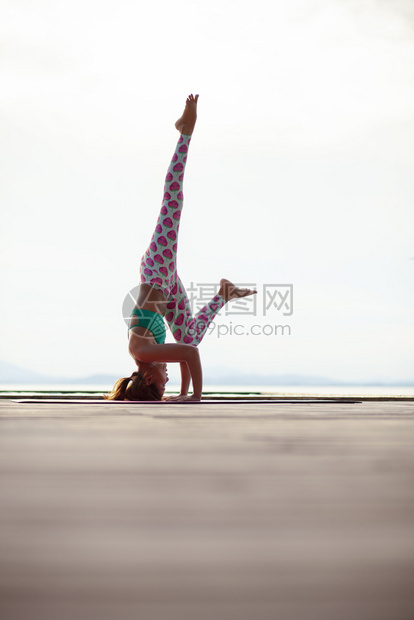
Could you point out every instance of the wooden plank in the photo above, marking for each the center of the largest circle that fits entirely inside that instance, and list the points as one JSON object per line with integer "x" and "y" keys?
{"x": 205, "y": 401}
{"x": 231, "y": 511}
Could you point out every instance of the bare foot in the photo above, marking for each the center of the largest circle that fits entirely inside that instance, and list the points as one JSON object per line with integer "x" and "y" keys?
{"x": 228, "y": 290}
{"x": 186, "y": 122}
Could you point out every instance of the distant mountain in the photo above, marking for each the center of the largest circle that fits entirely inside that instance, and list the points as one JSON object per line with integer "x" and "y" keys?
{"x": 12, "y": 374}
{"x": 96, "y": 380}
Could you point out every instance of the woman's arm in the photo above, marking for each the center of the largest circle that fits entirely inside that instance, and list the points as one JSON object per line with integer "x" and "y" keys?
{"x": 141, "y": 350}
{"x": 185, "y": 378}
{"x": 185, "y": 382}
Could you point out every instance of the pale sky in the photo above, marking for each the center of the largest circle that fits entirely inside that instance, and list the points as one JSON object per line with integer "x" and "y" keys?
{"x": 300, "y": 171}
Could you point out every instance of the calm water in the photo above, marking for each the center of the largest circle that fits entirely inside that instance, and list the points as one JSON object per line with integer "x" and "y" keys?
{"x": 365, "y": 390}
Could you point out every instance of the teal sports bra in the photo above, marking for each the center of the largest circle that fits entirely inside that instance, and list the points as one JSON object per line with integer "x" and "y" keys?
{"x": 151, "y": 321}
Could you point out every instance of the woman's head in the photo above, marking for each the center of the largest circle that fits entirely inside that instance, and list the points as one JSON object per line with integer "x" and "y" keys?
{"x": 146, "y": 384}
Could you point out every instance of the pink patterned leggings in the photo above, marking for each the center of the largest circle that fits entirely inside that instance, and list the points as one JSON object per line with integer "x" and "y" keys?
{"x": 159, "y": 262}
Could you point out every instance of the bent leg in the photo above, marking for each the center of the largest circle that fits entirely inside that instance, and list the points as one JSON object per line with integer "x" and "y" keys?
{"x": 184, "y": 327}
{"x": 159, "y": 262}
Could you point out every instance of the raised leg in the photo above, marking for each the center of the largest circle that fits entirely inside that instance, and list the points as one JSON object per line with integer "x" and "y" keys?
{"x": 184, "y": 327}
{"x": 159, "y": 262}
{"x": 191, "y": 329}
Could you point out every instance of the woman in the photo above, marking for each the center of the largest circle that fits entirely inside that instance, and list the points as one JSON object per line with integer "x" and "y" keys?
{"x": 162, "y": 295}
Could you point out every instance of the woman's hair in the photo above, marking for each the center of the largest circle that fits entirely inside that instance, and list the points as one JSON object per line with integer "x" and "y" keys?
{"x": 133, "y": 388}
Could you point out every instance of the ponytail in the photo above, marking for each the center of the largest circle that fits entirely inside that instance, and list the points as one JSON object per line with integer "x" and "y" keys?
{"x": 119, "y": 389}
{"x": 133, "y": 388}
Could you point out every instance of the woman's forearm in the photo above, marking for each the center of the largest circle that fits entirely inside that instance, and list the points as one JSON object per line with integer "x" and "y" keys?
{"x": 194, "y": 365}
{"x": 185, "y": 378}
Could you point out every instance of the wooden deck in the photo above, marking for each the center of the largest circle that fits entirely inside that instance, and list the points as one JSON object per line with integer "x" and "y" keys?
{"x": 259, "y": 511}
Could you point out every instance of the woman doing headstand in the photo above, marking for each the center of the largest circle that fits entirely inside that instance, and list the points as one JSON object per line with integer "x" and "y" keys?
{"x": 162, "y": 295}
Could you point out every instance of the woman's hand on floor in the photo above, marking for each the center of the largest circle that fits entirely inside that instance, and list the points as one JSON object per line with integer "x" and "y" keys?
{"x": 184, "y": 398}
{"x": 176, "y": 397}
